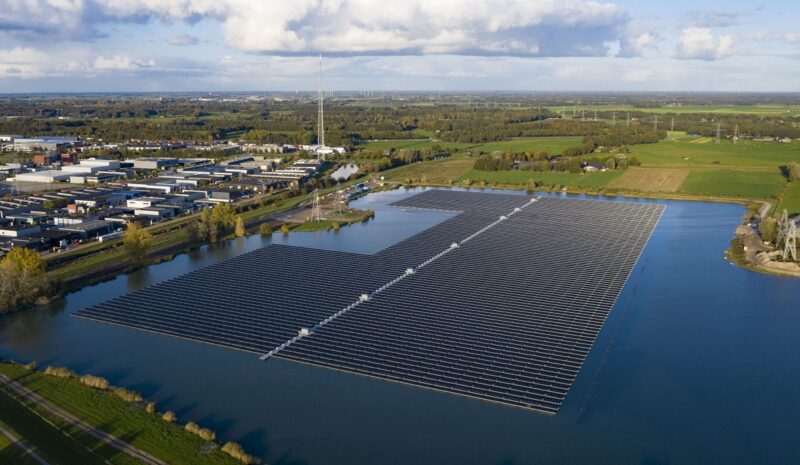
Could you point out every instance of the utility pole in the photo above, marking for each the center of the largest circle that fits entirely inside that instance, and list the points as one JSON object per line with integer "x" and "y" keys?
{"x": 320, "y": 111}
{"x": 736, "y": 134}
{"x": 718, "y": 133}
{"x": 655, "y": 124}
{"x": 672, "y": 125}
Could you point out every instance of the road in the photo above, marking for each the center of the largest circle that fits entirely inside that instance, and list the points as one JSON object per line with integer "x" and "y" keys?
{"x": 25, "y": 393}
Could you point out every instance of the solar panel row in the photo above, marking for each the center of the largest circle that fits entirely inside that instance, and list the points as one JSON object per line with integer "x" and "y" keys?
{"x": 509, "y": 316}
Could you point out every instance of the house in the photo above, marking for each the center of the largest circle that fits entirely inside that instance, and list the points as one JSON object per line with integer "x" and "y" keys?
{"x": 594, "y": 167}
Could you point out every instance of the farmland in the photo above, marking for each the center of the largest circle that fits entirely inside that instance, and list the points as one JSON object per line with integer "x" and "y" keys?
{"x": 791, "y": 200}
{"x": 684, "y": 152}
{"x": 650, "y": 179}
{"x": 733, "y": 183}
{"x": 761, "y": 110}
{"x": 587, "y": 180}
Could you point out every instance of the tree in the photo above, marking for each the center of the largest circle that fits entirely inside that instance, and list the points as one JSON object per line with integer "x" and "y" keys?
{"x": 793, "y": 171}
{"x": 769, "y": 228}
{"x": 239, "y": 229}
{"x": 611, "y": 164}
{"x": 136, "y": 242}
{"x": 22, "y": 278}
{"x": 634, "y": 161}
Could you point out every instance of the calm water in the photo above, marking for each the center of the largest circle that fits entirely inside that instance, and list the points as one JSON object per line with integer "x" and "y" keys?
{"x": 698, "y": 363}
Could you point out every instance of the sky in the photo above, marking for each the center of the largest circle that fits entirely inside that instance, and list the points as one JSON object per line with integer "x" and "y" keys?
{"x": 384, "y": 45}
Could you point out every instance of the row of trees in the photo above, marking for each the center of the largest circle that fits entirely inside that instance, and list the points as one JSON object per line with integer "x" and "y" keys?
{"x": 561, "y": 164}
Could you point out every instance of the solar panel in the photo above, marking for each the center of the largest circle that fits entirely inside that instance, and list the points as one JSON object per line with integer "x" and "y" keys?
{"x": 501, "y": 302}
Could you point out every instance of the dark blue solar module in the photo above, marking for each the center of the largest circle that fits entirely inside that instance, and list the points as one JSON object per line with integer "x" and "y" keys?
{"x": 508, "y": 301}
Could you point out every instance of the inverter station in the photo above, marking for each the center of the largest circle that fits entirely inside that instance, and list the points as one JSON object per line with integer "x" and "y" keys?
{"x": 501, "y": 302}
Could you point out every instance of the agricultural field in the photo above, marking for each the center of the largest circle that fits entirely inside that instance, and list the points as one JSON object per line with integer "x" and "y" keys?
{"x": 733, "y": 183}
{"x": 585, "y": 180}
{"x": 790, "y": 200}
{"x": 437, "y": 171}
{"x": 650, "y": 179}
{"x": 698, "y": 152}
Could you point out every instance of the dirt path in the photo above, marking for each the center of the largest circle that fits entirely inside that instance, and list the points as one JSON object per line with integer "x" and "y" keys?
{"x": 21, "y": 444}
{"x": 112, "y": 441}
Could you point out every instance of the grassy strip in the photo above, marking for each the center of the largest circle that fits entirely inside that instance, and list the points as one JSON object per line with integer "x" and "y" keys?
{"x": 131, "y": 422}
{"x": 45, "y": 438}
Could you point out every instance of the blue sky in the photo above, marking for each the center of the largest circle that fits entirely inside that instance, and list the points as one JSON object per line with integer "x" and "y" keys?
{"x": 442, "y": 45}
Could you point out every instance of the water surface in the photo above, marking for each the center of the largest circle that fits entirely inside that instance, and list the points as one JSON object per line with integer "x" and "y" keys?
{"x": 698, "y": 363}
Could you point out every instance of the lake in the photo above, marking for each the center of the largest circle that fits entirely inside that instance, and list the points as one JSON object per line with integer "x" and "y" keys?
{"x": 699, "y": 362}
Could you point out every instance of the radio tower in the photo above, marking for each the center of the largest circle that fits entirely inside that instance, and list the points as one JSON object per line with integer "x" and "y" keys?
{"x": 320, "y": 111}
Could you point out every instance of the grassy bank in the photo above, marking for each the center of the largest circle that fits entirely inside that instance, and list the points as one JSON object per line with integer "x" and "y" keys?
{"x": 101, "y": 408}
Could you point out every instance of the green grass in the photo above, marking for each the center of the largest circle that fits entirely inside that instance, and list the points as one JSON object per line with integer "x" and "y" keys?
{"x": 437, "y": 171}
{"x": 790, "y": 200}
{"x": 105, "y": 411}
{"x": 745, "y": 154}
{"x": 586, "y": 180}
{"x": 732, "y": 183}
{"x": 44, "y": 438}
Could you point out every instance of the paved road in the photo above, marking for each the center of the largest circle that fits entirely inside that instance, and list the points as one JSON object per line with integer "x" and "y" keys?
{"x": 23, "y": 446}
{"x": 112, "y": 441}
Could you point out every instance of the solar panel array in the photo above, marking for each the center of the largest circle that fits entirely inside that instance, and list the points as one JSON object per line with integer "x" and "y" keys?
{"x": 509, "y": 316}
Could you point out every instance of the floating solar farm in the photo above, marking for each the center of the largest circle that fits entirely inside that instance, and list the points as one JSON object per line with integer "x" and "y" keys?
{"x": 501, "y": 302}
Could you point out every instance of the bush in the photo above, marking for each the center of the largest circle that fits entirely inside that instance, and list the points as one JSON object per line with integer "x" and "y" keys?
{"x": 204, "y": 433}
{"x": 59, "y": 372}
{"x": 150, "y": 407}
{"x": 285, "y": 229}
{"x": 30, "y": 366}
{"x": 169, "y": 416}
{"x": 126, "y": 395}
{"x": 236, "y": 451}
{"x": 94, "y": 381}
{"x": 265, "y": 229}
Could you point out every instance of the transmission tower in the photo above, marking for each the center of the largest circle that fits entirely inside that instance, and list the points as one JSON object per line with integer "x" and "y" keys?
{"x": 783, "y": 228}
{"x": 614, "y": 118}
{"x": 628, "y": 121}
{"x": 790, "y": 243}
{"x": 736, "y": 134}
{"x": 595, "y": 115}
{"x": 316, "y": 211}
{"x": 320, "y": 111}
{"x": 583, "y": 115}
{"x": 719, "y": 130}
{"x": 672, "y": 125}
{"x": 655, "y": 124}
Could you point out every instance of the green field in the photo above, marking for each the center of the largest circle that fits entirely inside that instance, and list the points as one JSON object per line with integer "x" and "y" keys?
{"x": 553, "y": 145}
{"x": 745, "y": 154}
{"x": 732, "y": 183}
{"x": 587, "y": 180}
{"x": 105, "y": 411}
{"x": 437, "y": 171}
{"x": 790, "y": 201}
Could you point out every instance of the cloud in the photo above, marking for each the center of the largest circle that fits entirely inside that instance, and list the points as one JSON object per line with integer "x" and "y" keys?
{"x": 699, "y": 43}
{"x": 121, "y": 63}
{"x": 350, "y": 27}
{"x": 634, "y": 44}
{"x": 183, "y": 40}
{"x": 712, "y": 18}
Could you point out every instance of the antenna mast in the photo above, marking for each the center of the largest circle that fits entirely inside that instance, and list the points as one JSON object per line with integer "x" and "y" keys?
{"x": 320, "y": 111}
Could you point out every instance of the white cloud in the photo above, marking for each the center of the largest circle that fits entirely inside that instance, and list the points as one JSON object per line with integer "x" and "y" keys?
{"x": 352, "y": 27}
{"x": 121, "y": 63}
{"x": 183, "y": 40}
{"x": 635, "y": 44}
{"x": 699, "y": 43}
